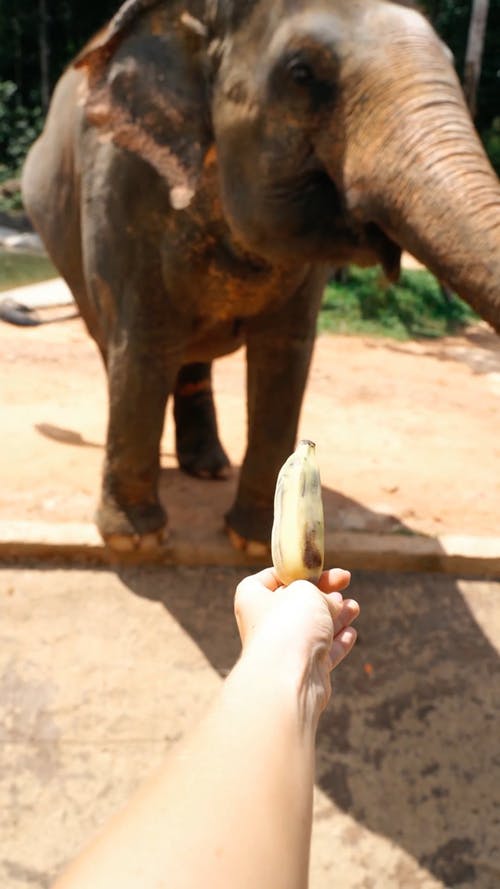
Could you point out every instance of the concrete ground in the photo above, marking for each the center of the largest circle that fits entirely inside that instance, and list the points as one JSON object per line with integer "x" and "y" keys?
{"x": 102, "y": 672}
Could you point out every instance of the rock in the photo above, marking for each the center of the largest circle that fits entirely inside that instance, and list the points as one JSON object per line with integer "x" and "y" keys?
{"x": 21, "y": 242}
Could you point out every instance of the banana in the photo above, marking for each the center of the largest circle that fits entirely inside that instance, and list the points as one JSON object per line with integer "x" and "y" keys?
{"x": 297, "y": 539}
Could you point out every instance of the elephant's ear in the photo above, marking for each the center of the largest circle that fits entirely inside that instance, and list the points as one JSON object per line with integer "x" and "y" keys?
{"x": 145, "y": 92}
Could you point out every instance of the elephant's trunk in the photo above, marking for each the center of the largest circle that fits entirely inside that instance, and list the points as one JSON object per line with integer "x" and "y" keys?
{"x": 446, "y": 212}
{"x": 427, "y": 181}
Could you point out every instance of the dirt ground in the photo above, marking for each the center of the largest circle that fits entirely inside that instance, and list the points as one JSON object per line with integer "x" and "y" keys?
{"x": 407, "y": 433}
{"x": 103, "y": 671}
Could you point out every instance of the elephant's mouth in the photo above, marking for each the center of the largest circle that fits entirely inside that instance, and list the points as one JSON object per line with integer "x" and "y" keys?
{"x": 367, "y": 245}
{"x": 341, "y": 231}
{"x": 388, "y": 253}
{"x": 306, "y": 217}
{"x": 325, "y": 228}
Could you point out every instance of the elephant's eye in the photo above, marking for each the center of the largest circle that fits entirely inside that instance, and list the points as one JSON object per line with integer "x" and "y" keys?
{"x": 309, "y": 76}
{"x": 305, "y": 77}
{"x": 300, "y": 72}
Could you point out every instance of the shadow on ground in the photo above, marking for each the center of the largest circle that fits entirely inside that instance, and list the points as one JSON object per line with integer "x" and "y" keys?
{"x": 477, "y": 347}
{"x": 196, "y": 506}
{"x": 193, "y": 503}
{"x": 409, "y": 744}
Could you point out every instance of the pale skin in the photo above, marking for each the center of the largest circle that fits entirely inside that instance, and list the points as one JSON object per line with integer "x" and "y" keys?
{"x": 232, "y": 806}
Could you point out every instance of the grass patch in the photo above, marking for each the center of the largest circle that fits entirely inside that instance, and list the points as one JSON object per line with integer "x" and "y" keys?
{"x": 363, "y": 304}
{"x": 415, "y": 307}
{"x": 17, "y": 269}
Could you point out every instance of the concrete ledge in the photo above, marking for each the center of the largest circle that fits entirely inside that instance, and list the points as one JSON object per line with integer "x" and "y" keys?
{"x": 46, "y": 294}
{"x": 466, "y": 556}
{"x": 449, "y": 554}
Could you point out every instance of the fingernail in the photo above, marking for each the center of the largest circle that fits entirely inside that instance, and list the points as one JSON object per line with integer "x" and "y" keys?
{"x": 343, "y": 570}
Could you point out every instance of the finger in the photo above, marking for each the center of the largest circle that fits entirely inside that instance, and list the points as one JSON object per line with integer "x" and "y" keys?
{"x": 334, "y": 580}
{"x": 341, "y": 646}
{"x": 342, "y": 611}
{"x": 267, "y": 577}
{"x": 345, "y": 616}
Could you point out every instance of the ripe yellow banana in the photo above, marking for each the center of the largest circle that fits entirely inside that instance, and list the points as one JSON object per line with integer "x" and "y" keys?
{"x": 297, "y": 539}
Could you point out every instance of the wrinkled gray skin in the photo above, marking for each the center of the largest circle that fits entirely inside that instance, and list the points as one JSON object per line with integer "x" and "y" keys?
{"x": 200, "y": 170}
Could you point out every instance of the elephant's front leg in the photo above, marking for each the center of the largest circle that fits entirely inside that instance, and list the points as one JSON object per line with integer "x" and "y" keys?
{"x": 279, "y": 350}
{"x": 141, "y": 374}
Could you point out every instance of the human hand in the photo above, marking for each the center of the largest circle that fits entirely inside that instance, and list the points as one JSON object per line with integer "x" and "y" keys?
{"x": 302, "y": 626}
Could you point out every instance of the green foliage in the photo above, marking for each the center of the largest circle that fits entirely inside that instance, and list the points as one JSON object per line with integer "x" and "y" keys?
{"x": 28, "y": 32}
{"x": 451, "y": 20}
{"x": 19, "y": 127}
{"x": 491, "y": 139}
{"x": 414, "y": 307}
{"x": 10, "y": 193}
{"x": 16, "y": 270}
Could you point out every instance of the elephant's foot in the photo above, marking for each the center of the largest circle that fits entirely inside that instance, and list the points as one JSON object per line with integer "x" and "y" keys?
{"x": 209, "y": 461}
{"x": 140, "y": 529}
{"x": 199, "y": 450}
{"x": 250, "y": 547}
{"x": 249, "y": 529}
{"x": 145, "y": 544}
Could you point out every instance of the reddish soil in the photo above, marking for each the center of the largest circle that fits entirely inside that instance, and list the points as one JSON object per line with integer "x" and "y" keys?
{"x": 407, "y": 433}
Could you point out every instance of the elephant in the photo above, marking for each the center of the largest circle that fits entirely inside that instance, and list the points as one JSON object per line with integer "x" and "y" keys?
{"x": 202, "y": 168}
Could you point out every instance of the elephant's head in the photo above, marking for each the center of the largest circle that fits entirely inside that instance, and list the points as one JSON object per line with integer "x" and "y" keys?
{"x": 343, "y": 134}
{"x": 340, "y": 128}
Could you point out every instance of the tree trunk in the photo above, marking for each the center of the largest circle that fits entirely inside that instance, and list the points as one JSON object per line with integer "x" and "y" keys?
{"x": 474, "y": 52}
{"x": 44, "y": 54}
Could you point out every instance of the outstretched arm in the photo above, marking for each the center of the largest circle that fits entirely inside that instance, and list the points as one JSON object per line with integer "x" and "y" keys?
{"x": 233, "y": 805}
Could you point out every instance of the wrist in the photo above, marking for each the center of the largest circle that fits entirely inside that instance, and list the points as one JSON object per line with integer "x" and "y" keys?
{"x": 294, "y": 681}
